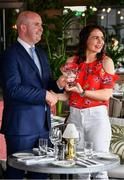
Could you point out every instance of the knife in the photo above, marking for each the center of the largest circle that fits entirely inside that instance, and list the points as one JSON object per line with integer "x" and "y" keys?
{"x": 82, "y": 164}
{"x": 88, "y": 161}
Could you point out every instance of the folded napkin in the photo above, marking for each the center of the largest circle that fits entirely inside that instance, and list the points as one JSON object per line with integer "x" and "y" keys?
{"x": 50, "y": 151}
{"x": 36, "y": 160}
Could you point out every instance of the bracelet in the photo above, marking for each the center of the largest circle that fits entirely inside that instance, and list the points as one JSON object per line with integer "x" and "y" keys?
{"x": 83, "y": 93}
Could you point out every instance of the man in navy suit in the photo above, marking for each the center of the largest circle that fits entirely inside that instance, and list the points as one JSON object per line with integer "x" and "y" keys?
{"x": 26, "y": 91}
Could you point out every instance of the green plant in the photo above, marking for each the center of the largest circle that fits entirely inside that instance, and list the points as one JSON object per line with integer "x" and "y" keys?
{"x": 87, "y": 15}
{"x": 117, "y": 141}
{"x": 56, "y": 40}
{"x": 40, "y": 5}
{"x": 116, "y": 52}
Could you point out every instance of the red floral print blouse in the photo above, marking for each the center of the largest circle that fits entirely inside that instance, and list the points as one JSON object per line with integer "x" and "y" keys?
{"x": 91, "y": 76}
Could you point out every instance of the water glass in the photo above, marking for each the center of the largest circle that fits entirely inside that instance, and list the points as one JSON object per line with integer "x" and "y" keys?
{"x": 88, "y": 149}
{"x": 43, "y": 145}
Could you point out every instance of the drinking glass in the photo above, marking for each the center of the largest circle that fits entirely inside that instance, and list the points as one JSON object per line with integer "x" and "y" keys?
{"x": 78, "y": 142}
{"x": 88, "y": 149}
{"x": 70, "y": 70}
{"x": 43, "y": 144}
{"x": 71, "y": 77}
{"x": 56, "y": 138}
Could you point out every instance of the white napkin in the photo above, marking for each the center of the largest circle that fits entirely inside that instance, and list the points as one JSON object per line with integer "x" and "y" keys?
{"x": 50, "y": 151}
{"x": 36, "y": 160}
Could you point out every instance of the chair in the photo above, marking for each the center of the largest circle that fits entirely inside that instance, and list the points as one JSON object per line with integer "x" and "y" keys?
{"x": 115, "y": 107}
{"x": 117, "y": 147}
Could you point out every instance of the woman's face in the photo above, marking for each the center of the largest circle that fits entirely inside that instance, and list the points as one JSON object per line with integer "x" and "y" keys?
{"x": 95, "y": 41}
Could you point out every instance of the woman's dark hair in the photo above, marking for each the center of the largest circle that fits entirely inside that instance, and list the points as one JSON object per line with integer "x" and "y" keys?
{"x": 83, "y": 36}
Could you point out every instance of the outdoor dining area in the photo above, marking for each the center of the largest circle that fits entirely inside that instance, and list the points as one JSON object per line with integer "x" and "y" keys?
{"x": 62, "y": 89}
{"x": 64, "y": 160}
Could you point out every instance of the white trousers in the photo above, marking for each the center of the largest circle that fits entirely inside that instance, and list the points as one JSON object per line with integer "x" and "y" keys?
{"x": 93, "y": 125}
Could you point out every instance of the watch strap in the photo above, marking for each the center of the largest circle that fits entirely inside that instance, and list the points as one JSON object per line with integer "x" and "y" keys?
{"x": 83, "y": 93}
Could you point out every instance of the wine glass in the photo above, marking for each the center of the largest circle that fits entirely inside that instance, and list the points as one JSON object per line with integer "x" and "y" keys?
{"x": 70, "y": 70}
{"x": 55, "y": 136}
{"x": 71, "y": 77}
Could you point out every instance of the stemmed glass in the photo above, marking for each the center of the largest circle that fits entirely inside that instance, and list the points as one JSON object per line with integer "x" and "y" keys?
{"x": 55, "y": 136}
{"x": 70, "y": 70}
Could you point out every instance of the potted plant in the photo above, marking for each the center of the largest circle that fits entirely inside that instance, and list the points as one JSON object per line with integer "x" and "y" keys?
{"x": 56, "y": 43}
{"x": 56, "y": 40}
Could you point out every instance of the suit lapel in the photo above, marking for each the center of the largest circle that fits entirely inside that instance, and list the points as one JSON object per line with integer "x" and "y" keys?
{"x": 27, "y": 57}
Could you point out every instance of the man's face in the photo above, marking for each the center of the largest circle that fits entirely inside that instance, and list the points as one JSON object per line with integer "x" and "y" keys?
{"x": 34, "y": 29}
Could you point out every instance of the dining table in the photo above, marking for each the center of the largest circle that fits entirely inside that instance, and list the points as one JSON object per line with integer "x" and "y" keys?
{"x": 79, "y": 165}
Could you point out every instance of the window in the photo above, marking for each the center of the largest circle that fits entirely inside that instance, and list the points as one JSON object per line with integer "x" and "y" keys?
{"x": 112, "y": 19}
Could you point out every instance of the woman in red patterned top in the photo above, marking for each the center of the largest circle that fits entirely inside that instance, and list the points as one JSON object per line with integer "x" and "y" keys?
{"x": 89, "y": 98}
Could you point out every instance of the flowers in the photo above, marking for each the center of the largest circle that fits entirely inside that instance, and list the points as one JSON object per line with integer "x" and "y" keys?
{"x": 116, "y": 52}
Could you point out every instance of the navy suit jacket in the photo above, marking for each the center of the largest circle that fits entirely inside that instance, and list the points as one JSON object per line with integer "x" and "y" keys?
{"x": 24, "y": 92}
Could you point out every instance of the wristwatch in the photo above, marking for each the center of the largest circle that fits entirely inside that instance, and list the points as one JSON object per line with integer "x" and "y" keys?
{"x": 83, "y": 93}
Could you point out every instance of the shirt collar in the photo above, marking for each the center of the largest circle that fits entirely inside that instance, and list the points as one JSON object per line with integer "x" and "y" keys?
{"x": 25, "y": 45}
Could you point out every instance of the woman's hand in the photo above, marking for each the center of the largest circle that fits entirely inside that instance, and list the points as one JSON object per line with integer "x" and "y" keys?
{"x": 76, "y": 88}
{"x": 61, "y": 82}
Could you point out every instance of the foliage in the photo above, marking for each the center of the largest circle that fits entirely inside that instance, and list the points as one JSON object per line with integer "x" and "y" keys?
{"x": 39, "y": 5}
{"x": 56, "y": 40}
{"x": 116, "y": 52}
{"x": 87, "y": 15}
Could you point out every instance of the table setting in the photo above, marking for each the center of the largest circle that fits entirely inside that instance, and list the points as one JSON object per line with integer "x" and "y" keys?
{"x": 64, "y": 153}
{"x": 30, "y": 158}
{"x": 64, "y": 158}
{"x": 80, "y": 160}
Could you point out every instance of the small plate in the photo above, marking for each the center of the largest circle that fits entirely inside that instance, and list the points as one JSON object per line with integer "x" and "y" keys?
{"x": 64, "y": 163}
{"x": 23, "y": 154}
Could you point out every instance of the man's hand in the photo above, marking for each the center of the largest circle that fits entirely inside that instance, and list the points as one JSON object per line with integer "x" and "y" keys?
{"x": 51, "y": 98}
{"x": 61, "y": 96}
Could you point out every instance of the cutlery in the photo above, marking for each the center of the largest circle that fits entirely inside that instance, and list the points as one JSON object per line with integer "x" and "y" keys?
{"x": 83, "y": 161}
{"x": 91, "y": 161}
{"x": 82, "y": 164}
{"x": 88, "y": 161}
